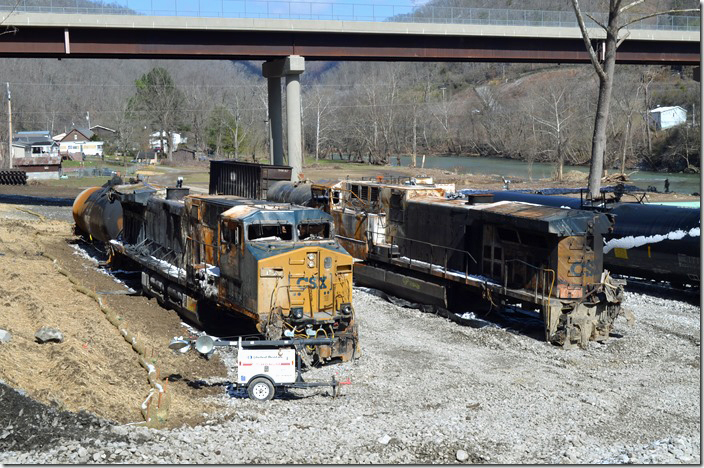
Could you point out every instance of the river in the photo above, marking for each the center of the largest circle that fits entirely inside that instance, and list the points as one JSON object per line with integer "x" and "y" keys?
{"x": 680, "y": 183}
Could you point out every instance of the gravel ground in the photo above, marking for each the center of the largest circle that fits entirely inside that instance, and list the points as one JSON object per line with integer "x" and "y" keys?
{"x": 427, "y": 390}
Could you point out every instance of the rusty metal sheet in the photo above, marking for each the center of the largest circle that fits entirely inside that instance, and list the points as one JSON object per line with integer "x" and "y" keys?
{"x": 241, "y": 211}
{"x": 37, "y": 161}
{"x": 524, "y": 210}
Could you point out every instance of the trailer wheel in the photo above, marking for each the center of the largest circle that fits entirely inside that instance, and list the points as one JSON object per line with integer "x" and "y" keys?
{"x": 260, "y": 389}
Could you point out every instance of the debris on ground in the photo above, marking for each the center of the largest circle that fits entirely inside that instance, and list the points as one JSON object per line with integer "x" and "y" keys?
{"x": 48, "y": 334}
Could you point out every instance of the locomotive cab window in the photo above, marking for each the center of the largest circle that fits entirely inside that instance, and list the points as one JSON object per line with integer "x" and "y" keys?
{"x": 313, "y": 231}
{"x": 270, "y": 232}
{"x": 230, "y": 234}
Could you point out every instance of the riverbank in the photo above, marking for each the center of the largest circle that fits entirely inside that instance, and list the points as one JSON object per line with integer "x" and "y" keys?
{"x": 336, "y": 170}
{"x": 488, "y": 175}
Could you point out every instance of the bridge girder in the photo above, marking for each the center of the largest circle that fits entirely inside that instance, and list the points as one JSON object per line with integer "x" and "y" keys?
{"x": 101, "y": 42}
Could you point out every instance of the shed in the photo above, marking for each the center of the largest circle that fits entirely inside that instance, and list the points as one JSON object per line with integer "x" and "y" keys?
{"x": 184, "y": 155}
{"x": 21, "y": 150}
{"x": 667, "y": 117}
{"x": 39, "y": 167}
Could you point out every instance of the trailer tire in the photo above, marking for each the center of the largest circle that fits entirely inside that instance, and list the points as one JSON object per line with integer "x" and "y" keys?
{"x": 260, "y": 389}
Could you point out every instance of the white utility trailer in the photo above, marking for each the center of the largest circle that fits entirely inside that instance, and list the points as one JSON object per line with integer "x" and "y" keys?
{"x": 263, "y": 365}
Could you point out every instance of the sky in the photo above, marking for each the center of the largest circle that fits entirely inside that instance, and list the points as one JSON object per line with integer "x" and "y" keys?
{"x": 364, "y": 10}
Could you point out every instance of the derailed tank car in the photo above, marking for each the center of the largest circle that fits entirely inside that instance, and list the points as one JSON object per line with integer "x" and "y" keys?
{"x": 417, "y": 244}
{"x": 276, "y": 264}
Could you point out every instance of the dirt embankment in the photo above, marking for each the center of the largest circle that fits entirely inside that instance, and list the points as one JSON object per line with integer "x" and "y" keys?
{"x": 94, "y": 369}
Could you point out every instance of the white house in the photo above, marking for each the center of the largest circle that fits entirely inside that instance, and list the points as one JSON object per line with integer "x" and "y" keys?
{"x": 667, "y": 117}
{"x": 155, "y": 140}
{"x": 77, "y": 143}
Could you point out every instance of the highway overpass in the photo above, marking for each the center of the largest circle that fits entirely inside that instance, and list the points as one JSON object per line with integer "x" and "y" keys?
{"x": 138, "y": 36}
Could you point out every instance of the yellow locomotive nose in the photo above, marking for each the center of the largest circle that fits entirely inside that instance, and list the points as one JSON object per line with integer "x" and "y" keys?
{"x": 314, "y": 285}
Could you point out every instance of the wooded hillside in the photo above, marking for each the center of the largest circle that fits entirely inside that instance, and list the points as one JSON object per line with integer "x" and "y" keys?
{"x": 369, "y": 111}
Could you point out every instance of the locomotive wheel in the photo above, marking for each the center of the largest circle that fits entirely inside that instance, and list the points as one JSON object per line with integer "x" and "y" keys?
{"x": 260, "y": 389}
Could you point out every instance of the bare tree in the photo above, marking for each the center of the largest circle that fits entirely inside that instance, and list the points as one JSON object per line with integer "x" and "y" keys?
{"x": 626, "y": 95}
{"x": 320, "y": 103}
{"x": 605, "y": 69}
{"x": 645, "y": 84}
{"x": 558, "y": 112}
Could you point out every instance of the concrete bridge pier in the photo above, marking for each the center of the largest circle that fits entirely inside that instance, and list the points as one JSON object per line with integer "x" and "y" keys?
{"x": 290, "y": 67}
{"x": 276, "y": 148}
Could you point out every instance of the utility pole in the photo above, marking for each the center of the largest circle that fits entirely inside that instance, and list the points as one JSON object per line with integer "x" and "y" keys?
{"x": 9, "y": 125}
{"x": 88, "y": 119}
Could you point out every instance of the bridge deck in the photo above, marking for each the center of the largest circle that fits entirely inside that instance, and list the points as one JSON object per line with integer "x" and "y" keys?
{"x": 130, "y": 36}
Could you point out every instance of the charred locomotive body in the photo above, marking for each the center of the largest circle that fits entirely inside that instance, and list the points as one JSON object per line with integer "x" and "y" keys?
{"x": 417, "y": 244}
{"x": 648, "y": 241}
{"x": 275, "y": 264}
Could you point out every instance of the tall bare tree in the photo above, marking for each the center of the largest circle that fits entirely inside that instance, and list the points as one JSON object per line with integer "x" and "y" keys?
{"x": 605, "y": 69}
{"x": 554, "y": 124}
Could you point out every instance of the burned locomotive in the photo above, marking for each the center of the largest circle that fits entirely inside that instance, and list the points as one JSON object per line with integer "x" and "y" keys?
{"x": 415, "y": 243}
{"x": 648, "y": 241}
{"x": 275, "y": 264}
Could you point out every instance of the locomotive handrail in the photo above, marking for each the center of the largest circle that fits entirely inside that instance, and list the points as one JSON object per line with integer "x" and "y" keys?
{"x": 432, "y": 246}
{"x": 541, "y": 270}
{"x": 344, "y": 201}
{"x": 216, "y": 250}
{"x": 147, "y": 243}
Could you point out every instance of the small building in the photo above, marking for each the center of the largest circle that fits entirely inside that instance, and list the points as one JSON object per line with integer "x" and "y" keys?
{"x": 20, "y": 150}
{"x": 103, "y": 132}
{"x": 39, "y": 167}
{"x": 667, "y": 117}
{"x": 149, "y": 156}
{"x": 185, "y": 155}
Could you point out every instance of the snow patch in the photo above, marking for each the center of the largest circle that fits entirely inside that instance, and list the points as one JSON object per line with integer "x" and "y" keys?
{"x": 630, "y": 242}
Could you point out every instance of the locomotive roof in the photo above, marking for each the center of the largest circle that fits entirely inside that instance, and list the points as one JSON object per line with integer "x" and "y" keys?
{"x": 231, "y": 200}
{"x": 261, "y": 210}
{"x": 561, "y": 221}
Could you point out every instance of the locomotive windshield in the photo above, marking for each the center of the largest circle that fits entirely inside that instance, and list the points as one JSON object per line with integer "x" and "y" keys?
{"x": 313, "y": 231}
{"x": 270, "y": 232}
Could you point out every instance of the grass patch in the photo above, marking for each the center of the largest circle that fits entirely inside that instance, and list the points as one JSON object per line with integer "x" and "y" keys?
{"x": 77, "y": 182}
{"x": 200, "y": 178}
{"x": 68, "y": 163}
{"x": 311, "y": 162}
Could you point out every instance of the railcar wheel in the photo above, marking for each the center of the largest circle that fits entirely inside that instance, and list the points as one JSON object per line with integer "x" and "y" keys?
{"x": 260, "y": 389}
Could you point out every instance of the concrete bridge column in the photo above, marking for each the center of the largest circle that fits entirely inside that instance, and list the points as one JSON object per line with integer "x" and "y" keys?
{"x": 293, "y": 123}
{"x": 276, "y": 139}
{"x": 290, "y": 67}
